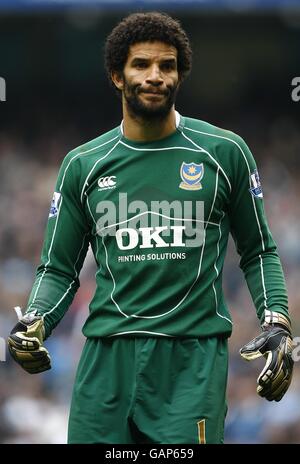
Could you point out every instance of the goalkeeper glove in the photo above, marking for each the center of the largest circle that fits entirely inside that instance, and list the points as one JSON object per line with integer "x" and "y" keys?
{"x": 25, "y": 344}
{"x": 275, "y": 344}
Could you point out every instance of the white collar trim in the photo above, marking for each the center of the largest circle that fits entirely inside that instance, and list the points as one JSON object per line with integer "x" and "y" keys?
{"x": 177, "y": 121}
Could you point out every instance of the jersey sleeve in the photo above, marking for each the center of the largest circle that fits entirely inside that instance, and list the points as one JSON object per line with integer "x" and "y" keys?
{"x": 259, "y": 258}
{"x": 65, "y": 246}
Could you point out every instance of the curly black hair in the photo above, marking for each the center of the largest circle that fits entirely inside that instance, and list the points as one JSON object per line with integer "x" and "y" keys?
{"x": 147, "y": 27}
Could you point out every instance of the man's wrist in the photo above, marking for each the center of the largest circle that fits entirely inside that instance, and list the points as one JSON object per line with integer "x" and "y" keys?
{"x": 273, "y": 318}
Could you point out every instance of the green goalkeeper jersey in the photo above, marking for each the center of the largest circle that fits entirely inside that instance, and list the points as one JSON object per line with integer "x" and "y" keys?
{"x": 157, "y": 216}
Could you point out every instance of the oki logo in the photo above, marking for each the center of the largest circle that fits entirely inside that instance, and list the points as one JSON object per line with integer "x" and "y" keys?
{"x": 107, "y": 182}
{"x": 150, "y": 237}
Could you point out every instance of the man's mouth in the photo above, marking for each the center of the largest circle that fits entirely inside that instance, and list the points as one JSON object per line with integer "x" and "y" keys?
{"x": 152, "y": 92}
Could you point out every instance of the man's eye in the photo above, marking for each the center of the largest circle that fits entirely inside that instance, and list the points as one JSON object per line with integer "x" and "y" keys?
{"x": 141, "y": 65}
{"x": 167, "y": 66}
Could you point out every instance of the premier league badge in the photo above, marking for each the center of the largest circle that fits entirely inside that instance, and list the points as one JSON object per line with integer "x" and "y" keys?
{"x": 255, "y": 189}
{"x": 54, "y": 205}
{"x": 191, "y": 175}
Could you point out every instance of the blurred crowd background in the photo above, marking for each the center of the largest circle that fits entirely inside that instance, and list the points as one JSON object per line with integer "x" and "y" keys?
{"x": 57, "y": 98}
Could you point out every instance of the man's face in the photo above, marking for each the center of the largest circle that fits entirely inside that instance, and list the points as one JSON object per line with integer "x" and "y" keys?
{"x": 150, "y": 79}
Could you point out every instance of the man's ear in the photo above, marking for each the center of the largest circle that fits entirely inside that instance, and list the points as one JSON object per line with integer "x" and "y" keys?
{"x": 117, "y": 79}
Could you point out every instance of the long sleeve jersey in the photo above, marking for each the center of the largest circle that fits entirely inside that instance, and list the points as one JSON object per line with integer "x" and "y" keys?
{"x": 157, "y": 216}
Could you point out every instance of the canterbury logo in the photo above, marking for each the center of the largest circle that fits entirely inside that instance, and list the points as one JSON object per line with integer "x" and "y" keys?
{"x": 107, "y": 182}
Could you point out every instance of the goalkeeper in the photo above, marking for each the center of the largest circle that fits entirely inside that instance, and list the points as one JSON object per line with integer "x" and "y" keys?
{"x": 154, "y": 366}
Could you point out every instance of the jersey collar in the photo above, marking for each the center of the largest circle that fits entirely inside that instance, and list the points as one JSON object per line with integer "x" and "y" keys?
{"x": 178, "y": 122}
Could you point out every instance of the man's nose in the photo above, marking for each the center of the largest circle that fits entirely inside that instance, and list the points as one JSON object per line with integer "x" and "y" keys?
{"x": 154, "y": 77}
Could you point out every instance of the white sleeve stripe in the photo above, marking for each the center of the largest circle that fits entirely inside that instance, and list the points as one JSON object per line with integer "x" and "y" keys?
{"x": 73, "y": 281}
{"x": 98, "y": 161}
{"x": 244, "y": 156}
{"x": 217, "y": 272}
{"x": 83, "y": 153}
{"x": 59, "y": 301}
{"x": 205, "y": 151}
{"x": 49, "y": 252}
{"x": 253, "y": 201}
{"x": 263, "y": 281}
{"x": 61, "y": 185}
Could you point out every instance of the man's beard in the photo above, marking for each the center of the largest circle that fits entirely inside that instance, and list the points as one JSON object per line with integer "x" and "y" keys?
{"x": 153, "y": 110}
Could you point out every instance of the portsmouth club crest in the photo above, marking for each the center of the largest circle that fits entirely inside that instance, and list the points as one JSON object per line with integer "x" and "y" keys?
{"x": 191, "y": 175}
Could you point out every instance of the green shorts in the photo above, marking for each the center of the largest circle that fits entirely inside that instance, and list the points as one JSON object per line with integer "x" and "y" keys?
{"x": 150, "y": 390}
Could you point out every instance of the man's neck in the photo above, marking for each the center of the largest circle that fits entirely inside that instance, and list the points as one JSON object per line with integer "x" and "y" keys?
{"x": 141, "y": 130}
